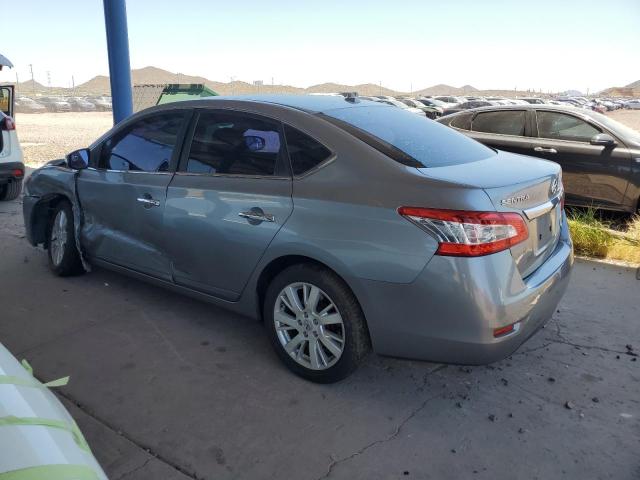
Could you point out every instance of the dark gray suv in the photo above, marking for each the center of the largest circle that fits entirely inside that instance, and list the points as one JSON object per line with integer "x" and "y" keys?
{"x": 343, "y": 224}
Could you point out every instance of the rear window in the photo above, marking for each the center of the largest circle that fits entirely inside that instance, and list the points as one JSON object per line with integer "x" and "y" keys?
{"x": 305, "y": 153}
{"x": 508, "y": 122}
{"x": 410, "y": 139}
{"x": 461, "y": 121}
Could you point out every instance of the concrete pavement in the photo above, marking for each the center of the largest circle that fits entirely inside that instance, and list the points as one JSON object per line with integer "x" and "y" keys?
{"x": 165, "y": 387}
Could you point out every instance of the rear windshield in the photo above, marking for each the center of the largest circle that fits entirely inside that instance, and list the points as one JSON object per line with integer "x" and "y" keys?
{"x": 408, "y": 138}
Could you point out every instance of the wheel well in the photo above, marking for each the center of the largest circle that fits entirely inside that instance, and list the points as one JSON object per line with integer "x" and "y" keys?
{"x": 278, "y": 265}
{"x": 41, "y": 217}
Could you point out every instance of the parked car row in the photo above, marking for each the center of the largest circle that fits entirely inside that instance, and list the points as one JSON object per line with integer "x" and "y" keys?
{"x": 41, "y": 104}
{"x": 435, "y": 107}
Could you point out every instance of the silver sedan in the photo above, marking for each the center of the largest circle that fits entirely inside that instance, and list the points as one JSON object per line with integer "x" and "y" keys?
{"x": 344, "y": 225}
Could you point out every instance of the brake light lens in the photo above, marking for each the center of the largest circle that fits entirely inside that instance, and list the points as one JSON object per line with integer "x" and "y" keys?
{"x": 7, "y": 124}
{"x": 466, "y": 233}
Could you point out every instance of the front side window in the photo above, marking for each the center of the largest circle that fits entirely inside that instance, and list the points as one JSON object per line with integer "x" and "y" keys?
{"x": 510, "y": 122}
{"x": 304, "y": 152}
{"x": 564, "y": 127}
{"x": 145, "y": 146}
{"x": 235, "y": 144}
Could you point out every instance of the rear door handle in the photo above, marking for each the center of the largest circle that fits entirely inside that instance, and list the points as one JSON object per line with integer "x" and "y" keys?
{"x": 149, "y": 202}
{"x": 257, "y": 215}
{"x": 545, "y": 150}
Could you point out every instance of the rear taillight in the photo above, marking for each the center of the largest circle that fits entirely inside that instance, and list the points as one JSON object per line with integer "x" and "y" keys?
{"x": 467, "y": 233}
{"x": 7, "y": 124}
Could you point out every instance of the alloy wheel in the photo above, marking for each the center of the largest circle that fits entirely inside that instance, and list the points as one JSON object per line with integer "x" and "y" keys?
{"x": 309, "y": 326}
{"x": 58, "y": 240}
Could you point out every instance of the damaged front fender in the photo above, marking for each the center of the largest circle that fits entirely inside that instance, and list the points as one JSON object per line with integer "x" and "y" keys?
{"x": 43, "y": 190}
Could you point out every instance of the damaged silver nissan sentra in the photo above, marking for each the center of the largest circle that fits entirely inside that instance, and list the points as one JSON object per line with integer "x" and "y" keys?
{"x": 343, "y": 224}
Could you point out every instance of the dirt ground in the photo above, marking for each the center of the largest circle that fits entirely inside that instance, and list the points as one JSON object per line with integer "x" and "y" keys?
{"x": 48, "y": 136}
{"x": 168, "y": 388}
{"x": 631, "y": 118}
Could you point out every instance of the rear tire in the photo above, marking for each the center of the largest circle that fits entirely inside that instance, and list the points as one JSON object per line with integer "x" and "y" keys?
{"x": 64, "y": 258}
{"x": 326, "y": 320}
{"x": 11, "y": 190}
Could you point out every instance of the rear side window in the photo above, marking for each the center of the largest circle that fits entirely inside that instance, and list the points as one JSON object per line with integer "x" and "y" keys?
{"x": 410, "y": 139}
{"x": 146, "y": 146}
{"x": 304, "y": 152}
{"x": 510, "y": 122}
{"x": 564, "y": 127}
{"x": 235, "y": 144}
{"x": 461, "y": 121}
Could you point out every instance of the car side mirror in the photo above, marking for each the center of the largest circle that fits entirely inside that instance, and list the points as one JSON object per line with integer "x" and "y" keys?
{"x": 603, "y": 140}
{"x": 78, "y": 159}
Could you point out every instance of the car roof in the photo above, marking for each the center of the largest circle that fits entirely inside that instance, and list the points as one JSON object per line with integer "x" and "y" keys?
{"x": 307, "y": 103}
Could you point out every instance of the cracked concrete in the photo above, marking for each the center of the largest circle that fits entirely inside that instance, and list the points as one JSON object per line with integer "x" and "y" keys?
{"x": 165, "y": 387}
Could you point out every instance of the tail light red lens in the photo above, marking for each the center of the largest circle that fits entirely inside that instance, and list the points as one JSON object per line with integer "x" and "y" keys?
{"x": 7, "y": 124}
{"x": 466, "y": 233}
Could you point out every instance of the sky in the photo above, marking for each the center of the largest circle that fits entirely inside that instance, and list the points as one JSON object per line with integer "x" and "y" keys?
{"x": 405, "y": 45}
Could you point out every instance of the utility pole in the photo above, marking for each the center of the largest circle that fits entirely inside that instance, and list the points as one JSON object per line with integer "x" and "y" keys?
{"x": 33, "y": 83}
{"x": 115, "y": 22}
{"x": 380, "y": 82}
{"x": 48, "y": 79}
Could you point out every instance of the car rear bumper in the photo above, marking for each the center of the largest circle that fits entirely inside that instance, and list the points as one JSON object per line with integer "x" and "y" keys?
{"x": 450, "y": 312}
{"x": 9, "y": 172}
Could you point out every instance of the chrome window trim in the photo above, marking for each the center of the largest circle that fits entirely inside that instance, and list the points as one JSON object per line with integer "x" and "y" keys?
{"x": 127, "y": 171}
{"x": 330, "y": 159}
{"x": 226, "y": 175}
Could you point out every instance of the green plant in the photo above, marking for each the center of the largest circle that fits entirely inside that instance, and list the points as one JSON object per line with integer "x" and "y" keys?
{"x": 589, "y": 233}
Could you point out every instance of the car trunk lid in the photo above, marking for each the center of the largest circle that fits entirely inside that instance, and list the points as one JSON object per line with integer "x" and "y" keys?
{"x": 515, "y": 183}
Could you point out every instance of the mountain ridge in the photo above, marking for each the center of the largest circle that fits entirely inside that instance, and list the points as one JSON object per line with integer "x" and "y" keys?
{"x": 155, "y": 75}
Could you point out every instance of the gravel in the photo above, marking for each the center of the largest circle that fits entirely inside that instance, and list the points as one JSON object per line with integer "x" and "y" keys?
{"x": 47, "y": 136}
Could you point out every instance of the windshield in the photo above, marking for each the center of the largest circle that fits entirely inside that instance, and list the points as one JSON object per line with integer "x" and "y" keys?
{"x": 410, "y": 139}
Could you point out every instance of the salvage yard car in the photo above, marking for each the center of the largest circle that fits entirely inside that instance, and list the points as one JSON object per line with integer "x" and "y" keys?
{"x": 11, "y": 164}
{"x": 344, "y": 224}
{"x": 598, "y": 155}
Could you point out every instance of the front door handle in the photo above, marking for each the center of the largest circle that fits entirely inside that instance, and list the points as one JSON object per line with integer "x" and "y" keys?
{"x": 257, "y": 215}
{"x": 149, "y": 202}
{"x": 545, "y": 150}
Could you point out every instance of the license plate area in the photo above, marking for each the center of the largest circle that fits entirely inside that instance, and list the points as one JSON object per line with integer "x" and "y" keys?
{"x": 547, "y": 229}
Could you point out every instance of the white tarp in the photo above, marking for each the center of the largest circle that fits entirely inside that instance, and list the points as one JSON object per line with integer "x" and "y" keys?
{"x": 37, "y": 434}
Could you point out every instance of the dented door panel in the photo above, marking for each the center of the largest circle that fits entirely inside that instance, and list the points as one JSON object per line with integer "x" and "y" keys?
{"x": 123, "y": 218}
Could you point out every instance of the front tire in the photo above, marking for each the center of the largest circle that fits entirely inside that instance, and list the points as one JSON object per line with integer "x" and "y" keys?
{"x": 11, "y": 190}
{"x": 64, "y": 258}
{"x": 315, "y": 323}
